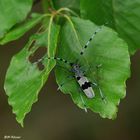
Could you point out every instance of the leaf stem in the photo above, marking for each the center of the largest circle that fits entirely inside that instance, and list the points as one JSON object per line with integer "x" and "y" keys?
{"x": 72, "y": 25}
{"x": 67, "y": 10}
{"x": 49, "y": 33}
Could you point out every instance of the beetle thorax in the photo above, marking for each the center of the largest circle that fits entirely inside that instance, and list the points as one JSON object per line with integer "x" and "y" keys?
{"x": 76, "y": 70}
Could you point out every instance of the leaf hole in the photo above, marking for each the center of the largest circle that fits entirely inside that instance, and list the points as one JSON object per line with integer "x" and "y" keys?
{"x": 40, "y": 66}
{"x": 32, "y": 45}
{"x": 37, "y": 55}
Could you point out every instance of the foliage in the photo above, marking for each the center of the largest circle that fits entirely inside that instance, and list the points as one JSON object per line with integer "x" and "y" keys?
{"x": 12, "y": 12}
{"x": 123, "y": 16}
{"x": 66, "y": 26}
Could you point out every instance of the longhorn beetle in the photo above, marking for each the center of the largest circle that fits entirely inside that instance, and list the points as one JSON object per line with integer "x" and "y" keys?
{"x": 82, "y": 80}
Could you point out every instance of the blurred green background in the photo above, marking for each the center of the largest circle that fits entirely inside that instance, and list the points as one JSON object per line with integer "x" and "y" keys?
{"x": 55, "y": 117}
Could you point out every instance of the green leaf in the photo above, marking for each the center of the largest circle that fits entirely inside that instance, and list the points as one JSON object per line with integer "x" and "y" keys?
{"x": 20, "y": 30}
{"x": 24, "y": 79}
{"x": 12, "y": 12}
{"x": 100, "y": 12}
{"x": 72, "y": 4}
{"x": 124, "y": 16}
{"x": 106, "y": 50}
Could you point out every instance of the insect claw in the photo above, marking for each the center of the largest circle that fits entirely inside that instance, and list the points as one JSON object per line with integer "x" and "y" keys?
{"x": 85, "y": 109}
{"x": 59, "y": 87}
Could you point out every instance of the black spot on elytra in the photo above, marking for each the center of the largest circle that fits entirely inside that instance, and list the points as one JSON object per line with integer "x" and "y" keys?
{"x": 78, "y": 78}
{"x": 37, "y": 55}
{"x": 86, "y": 85}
